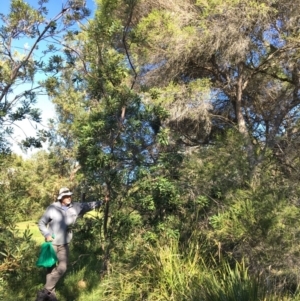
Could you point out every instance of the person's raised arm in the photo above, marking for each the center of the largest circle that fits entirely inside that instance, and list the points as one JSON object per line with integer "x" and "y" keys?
{"x": 83, "y": 208}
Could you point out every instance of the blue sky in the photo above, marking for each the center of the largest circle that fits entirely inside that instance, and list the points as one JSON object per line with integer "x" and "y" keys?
{"x": 54, "y": 6}
{"x": 43, "y": 102}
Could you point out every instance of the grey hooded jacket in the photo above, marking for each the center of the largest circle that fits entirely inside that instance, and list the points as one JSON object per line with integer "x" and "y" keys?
{"x": 57, "y": 220}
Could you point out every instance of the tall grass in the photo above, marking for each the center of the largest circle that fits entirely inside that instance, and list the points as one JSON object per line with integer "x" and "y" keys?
{"x": 159, "y": 273}
{"x": 164, "y": 273}
{"x": 234, "y": 284}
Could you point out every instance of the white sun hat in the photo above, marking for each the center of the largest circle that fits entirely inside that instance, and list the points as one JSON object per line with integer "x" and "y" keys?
{"x": 64, "y": 192}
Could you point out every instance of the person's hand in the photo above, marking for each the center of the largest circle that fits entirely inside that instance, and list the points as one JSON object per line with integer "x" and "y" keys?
{"x": 49, "y": 238}
{"x": 106, "y": 198}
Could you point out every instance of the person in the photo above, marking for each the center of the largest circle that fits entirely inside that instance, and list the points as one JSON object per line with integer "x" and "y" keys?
{"x": 55, "y": 226}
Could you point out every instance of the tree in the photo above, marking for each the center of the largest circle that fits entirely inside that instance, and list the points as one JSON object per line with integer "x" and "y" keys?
{"x": 250, "y": 68}
{"x": 116, "y": 135}
{"x": 18, "y": 68}
{"x": 220, "y": 65}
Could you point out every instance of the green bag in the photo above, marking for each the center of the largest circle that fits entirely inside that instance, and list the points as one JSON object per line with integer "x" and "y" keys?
{"x": 47, "y": 257}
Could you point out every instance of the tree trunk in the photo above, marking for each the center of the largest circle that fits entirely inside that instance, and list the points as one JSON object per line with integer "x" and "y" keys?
{"x": 242, "y": 128}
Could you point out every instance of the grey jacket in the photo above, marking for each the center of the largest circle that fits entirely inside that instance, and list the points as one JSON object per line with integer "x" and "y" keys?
{"x": 56, "y": 220}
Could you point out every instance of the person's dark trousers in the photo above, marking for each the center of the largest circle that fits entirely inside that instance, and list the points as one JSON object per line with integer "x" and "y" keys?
{"x": 55, "y": 273}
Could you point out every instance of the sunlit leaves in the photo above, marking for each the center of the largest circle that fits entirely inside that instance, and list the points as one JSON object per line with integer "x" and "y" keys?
{"x": 20, "y": 65}
{"x": 50, "y": 84}
{"x": 23, "y": 19}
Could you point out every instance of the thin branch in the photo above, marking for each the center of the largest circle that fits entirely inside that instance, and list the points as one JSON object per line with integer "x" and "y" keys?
{"x": 40, "y": 37}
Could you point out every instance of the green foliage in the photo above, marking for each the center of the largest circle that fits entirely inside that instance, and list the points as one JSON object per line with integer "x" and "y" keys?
{"x": 155, "y": 274}
{"x": 191, "y": 130}
{"x": 34, "y": 230}
{"x": 257, "y": 221}
{"x": 164, "y": 272}
{"x": 88, "y": 236}
{"x": 20, "y": 67}
{"x": 17, "y": 259}
{"x": 233, "y": 284}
